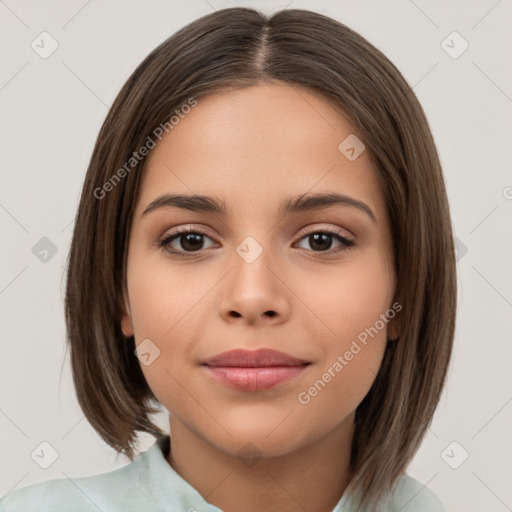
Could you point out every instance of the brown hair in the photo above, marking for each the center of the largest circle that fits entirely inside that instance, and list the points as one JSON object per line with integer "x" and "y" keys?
{"x": 236, "y": 48}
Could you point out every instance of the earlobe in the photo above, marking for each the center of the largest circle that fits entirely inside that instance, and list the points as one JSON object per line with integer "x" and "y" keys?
{"x": 126, "y": 320}
{"x": 126, "y": 325}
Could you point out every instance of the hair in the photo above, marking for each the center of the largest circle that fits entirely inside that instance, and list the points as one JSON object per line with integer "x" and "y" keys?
{"x": 236, "y": 48}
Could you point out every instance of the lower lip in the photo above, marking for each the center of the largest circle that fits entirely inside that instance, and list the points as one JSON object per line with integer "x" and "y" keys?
{"x": 254, "y": 379}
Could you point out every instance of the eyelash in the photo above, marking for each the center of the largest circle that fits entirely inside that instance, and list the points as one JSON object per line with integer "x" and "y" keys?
{"x": 164, "y": 243}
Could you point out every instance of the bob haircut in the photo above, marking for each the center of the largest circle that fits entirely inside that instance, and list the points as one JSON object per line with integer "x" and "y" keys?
{"x": 237, "y": 48}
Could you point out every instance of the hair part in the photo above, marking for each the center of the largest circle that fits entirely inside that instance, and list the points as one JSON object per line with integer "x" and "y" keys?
{"x": 236, "y": 48}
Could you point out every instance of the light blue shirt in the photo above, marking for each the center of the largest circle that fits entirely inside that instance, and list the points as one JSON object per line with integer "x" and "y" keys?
{"x": 150, "y": 484}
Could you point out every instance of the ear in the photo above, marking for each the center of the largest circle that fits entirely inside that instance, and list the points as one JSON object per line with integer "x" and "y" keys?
{"x": 126, "y": 318}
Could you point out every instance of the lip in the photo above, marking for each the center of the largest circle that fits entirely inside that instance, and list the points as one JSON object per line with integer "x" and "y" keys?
{"x": 262, "y": 357}
{"x": 254, "y": 370}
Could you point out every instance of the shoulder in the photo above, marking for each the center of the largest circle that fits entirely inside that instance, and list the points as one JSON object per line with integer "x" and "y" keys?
{"x": 410, "y": 495}
{"x": 104, "y": 492}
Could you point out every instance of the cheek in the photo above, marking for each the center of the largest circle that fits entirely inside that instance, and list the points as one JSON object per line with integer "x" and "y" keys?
{"x": 349, "y": 300}
{"x": 353, "y": 307}
{"x": 165, "y": 305}
{"x": 342, "y": 384}
{"x": 162, "y": 297}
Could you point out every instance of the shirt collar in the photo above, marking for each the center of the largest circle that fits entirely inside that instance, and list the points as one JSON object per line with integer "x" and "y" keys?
{"x": 169, "y": 489}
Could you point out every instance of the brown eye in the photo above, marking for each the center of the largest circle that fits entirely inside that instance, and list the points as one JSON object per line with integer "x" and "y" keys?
{"x": 322, "y": 241}
{"x": 184, "y": 241}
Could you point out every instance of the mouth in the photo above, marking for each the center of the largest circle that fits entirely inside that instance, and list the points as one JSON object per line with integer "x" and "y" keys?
{"x": 255, "y": 370}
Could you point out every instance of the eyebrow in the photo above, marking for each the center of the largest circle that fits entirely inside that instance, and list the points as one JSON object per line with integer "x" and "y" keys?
{"x": 296, "y": 204}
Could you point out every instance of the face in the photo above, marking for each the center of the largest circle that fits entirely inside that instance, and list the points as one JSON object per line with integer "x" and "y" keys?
{"x": 314, "y": 281}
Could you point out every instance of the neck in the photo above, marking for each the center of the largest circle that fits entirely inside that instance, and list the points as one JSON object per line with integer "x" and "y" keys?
{"x": 312, "y": 478}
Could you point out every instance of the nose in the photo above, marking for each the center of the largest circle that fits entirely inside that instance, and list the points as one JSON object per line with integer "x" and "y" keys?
{"x": 255, "y": 292}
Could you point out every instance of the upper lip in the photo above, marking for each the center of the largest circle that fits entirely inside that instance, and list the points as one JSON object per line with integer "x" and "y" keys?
{"x": 263, "y": 357}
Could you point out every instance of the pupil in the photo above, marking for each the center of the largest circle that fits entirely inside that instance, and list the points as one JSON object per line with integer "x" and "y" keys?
{"x": 193, "y": 240}
{"x": 317, "y": 240}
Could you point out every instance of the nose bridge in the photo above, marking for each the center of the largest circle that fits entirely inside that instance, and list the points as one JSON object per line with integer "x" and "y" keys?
{"x": 254, "y": 288}
{"x": 252, "y": 264}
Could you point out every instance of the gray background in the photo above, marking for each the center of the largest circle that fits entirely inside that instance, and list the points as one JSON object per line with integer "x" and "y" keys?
{"x": 51, "y": 111}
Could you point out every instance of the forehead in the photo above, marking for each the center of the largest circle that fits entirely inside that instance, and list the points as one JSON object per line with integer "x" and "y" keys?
{"x": 253, "y": 146}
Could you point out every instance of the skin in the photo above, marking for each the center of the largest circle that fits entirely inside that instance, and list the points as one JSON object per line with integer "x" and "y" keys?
{"x": 252, "y": 148}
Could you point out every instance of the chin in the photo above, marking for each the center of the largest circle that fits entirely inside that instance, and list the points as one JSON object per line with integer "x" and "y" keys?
{"x": 267, "y": 437}
{"x": 262, "y": 446}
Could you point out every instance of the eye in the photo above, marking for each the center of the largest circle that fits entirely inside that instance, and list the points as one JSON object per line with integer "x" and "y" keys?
{"x": 186, "y": 241}
{"x": 190, "y": 241}
{"x": 322, "y": 241}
